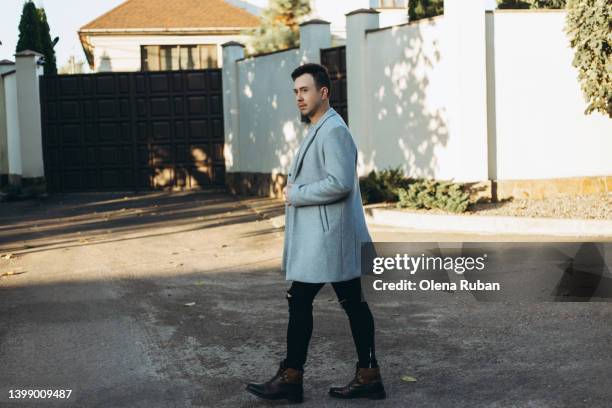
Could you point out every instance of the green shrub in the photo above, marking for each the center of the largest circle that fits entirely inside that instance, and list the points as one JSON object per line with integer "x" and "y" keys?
{"x": 429, "y": 194}
{"x": 419, "y": 9}
{"x": 382, "y": 186}
{"x": 589, "y": 30}
{"x": 531, "y": 4}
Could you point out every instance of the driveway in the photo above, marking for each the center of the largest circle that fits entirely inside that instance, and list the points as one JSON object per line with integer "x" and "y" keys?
{"x": 177, "y": 300}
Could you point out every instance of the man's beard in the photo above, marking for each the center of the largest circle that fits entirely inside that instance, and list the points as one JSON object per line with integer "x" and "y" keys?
{"x": 305, "y": 118}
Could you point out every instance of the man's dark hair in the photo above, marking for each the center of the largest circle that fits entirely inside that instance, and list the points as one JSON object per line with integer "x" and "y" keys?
{"x": 318, "y": 72}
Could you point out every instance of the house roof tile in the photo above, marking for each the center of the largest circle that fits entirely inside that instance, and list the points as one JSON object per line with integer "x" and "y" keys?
{"x": 143, "y": 14}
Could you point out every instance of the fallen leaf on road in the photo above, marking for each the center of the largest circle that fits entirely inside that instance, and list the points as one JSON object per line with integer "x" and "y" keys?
{"x": 10, "y": 273}
{"x": 408, "y": 378}
{"x": 199, "y": 283}
{"x": 190, "y": 304}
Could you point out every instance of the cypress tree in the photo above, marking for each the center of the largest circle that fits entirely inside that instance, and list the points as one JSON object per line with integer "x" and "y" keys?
{"x": 35, "y": 35}
{"x": 29, "y": 29}
{"x": 46, "y": 43}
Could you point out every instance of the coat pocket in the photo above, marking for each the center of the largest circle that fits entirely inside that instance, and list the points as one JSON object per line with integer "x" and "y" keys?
{"x": 323, "y": 217}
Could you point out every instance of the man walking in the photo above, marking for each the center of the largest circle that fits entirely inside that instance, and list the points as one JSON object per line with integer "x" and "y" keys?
{"x": 324, "y": 228}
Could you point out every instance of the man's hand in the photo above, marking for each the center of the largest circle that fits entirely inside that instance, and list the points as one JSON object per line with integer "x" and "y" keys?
{"x": 286, "y": 192}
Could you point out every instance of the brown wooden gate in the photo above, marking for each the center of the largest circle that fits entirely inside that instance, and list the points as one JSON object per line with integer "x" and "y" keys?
{"x": 133, "y": 130}
{"x": 334, "y": 59}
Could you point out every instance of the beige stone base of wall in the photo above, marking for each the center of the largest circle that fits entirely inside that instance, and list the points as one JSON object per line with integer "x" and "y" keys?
{"x": 29, "y": 185}
{"x": 12, "y": 179}
{"x": 257, "y": 184}
{"x": 266, "y": 185}
{"x": 538, "y": 189}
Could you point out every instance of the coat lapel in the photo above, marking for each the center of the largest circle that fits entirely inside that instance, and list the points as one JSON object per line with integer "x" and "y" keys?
{"x": 308, "y": 141}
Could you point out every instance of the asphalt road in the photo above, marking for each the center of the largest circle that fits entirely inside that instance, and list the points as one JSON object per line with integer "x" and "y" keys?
{"x": 177, "y": 300}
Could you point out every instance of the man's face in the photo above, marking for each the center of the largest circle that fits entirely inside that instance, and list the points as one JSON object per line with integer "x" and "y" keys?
{"x": 307, "y": 96}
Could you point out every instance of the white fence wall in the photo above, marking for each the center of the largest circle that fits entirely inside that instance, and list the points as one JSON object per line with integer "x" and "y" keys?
{"x": 270, "y": 130}
{"x": 4, "y": 73}
{"x": 13, "y": 142}
{"x": 406, "y": 96}
{"x": 21, "y": 149}
{"x": 541, "y": 130}
{"x": 537, "y": 126}
{"x": 262, "y": 127}
{"x": 469, "y": 96}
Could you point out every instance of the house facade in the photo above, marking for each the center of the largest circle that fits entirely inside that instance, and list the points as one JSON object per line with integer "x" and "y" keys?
{"x": 155, "y": 35}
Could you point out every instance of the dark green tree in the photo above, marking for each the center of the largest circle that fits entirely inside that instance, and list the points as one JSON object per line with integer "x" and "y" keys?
{"x": 279, "y": 27}
{"x": 418, "y": 9}
{"x": 35, "y": 35}
{"x": 47, "y": 45}
{"x": 29, "y": 29}
{"x": 531, "y": 4}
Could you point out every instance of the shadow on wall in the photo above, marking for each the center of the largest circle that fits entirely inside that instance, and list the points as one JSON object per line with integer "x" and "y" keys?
{"x": 269, "y": 132}
{"x": 407, "y": 116}
{"x": 405, "y": 108}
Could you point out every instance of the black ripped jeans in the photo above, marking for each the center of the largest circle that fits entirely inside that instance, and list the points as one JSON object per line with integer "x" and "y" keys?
{"x": 300, "y": 297}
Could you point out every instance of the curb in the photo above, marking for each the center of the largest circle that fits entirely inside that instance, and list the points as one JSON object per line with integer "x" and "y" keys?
{"x": 488, "y": 224}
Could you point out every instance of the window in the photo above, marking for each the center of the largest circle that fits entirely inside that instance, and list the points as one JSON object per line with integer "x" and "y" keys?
{"x": 391, "y": 4}
{"x": 177, "y": 57}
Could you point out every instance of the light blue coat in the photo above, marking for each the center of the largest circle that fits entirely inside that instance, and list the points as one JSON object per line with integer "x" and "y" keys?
{"x": 325, "y": 223}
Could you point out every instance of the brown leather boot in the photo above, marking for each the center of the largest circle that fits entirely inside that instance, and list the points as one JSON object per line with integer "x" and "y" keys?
{"x": 367, "y": 383}
{"x": 286, "y": 384}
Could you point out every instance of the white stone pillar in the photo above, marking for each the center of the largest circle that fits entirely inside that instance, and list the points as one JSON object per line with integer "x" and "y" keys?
{"x": 7, "y": 69}
{"x": 357, "y": 22}
{"x": 465, "y": 52}
{"x": 28, "y": 101}
{"x": 232, "y": 51}
{"x": 314, "y": 35}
